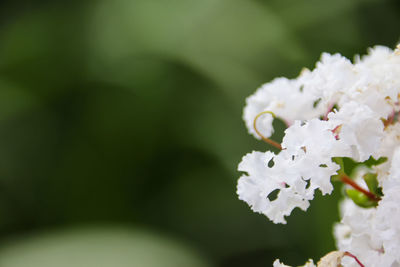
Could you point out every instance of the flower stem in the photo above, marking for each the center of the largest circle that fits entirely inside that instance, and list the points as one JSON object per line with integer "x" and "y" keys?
{"x": 345, "y": 179}
{"x": 265, "y": 139}
{"x": 354, "y": 257}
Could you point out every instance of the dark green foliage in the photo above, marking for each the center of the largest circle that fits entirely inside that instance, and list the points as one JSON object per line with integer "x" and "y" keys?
{"x": 130, "y": 112}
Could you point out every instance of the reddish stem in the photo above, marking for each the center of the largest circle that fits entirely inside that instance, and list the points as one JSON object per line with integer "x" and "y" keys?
{"x": 265, "y": 139}
{"x": 354, "y": 257}
{"x": 271, "y": 142}
{"x": 345, "y": 179}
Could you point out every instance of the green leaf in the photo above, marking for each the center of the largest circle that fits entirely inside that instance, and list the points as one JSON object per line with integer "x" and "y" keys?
{"x": 372, "y": 183}
{"x": 99, "y": 246}
{"x": 361, "y": 199}
{"x": 348, "y": 166}
{"x": 374, "y": 162}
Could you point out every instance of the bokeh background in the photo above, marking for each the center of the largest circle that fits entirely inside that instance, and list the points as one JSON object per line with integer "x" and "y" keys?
{"x": 121, "y": 129}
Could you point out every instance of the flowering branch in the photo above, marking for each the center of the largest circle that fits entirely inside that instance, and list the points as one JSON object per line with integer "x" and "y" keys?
{"x": 321, "y": 139}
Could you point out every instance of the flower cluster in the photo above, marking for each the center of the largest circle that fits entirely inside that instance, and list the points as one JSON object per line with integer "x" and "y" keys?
{"x": 341, "y": 116}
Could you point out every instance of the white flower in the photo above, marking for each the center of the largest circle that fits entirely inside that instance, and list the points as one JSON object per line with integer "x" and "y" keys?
{"x": 363, "y": 124}
{"x": 381, "y": 68}
{"x": 278, "y": 97}
{"x": 361, "y": 130}
{"x": 277, "y": 263}
{"x": 309, "y": 263}
{"x": 374, "y": 234}
{"x": 330, "y": 79}
{"x": 261, "y": 181}
{"x": 309, "y": 145}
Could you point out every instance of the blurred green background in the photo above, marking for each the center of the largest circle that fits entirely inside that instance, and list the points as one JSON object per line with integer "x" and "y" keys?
{"x": 121, "y": 129}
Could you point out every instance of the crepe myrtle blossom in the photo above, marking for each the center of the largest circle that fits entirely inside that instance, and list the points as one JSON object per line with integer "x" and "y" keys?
{"x": 342, "y": 125}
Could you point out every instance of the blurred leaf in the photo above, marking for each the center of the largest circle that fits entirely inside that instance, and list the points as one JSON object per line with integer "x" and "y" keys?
{"x": 314, "y": 11}
{"x": 42, "y": 51}
{"x": 234, "y": 43}
{"x": 98, "y": 247}
{"x": 14, "y": 100}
